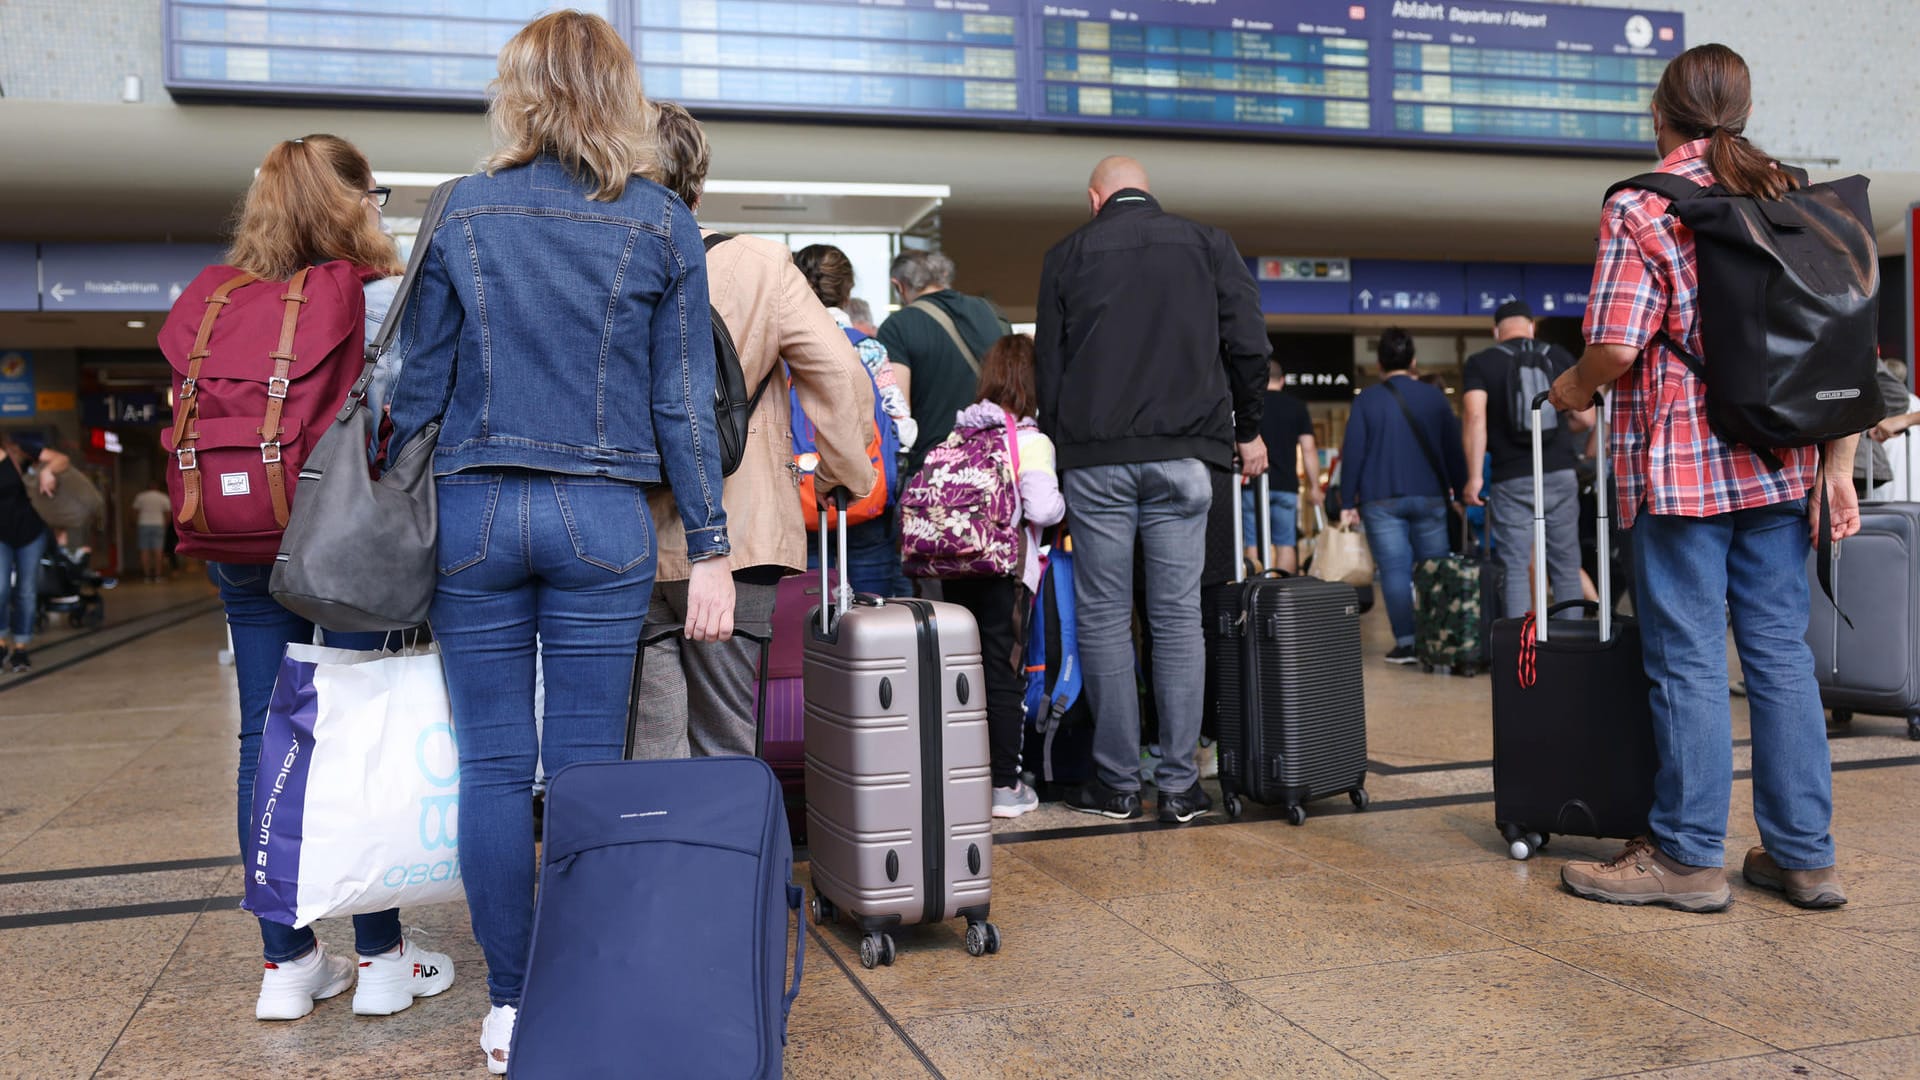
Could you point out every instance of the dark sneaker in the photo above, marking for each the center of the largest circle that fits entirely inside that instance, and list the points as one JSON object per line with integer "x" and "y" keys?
{"x": 1184, "y": 807}
{"x": 1097, "y": 798}
{"x": 1811, "y": 889}
{"x": 18, "y": 662}
{"x": 1402, "y": 654}
{"x": 1642, "y": 875}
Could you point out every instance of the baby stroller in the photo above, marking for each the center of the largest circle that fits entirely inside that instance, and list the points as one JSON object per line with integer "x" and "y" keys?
{"x": 69, "y": 587}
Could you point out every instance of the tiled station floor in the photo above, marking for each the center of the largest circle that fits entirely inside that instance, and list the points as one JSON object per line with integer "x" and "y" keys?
{"x": 1401, "y": 942}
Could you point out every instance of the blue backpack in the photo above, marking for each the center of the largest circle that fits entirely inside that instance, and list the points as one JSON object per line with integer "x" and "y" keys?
{"x": 660, "y": 938}
{"x": 1059, "y": 723}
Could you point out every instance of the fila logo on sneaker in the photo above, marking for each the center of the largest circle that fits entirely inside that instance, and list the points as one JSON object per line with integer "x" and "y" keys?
{"x": 425, "y": 971}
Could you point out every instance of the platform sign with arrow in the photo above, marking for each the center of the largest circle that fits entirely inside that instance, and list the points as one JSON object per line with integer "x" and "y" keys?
{"x": 119, "y": 277}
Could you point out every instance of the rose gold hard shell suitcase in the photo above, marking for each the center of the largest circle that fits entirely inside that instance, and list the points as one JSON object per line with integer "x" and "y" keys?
{"x": 899, "y": 788}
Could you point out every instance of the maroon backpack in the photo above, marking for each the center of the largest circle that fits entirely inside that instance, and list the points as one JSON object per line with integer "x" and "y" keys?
{"x": 259, "y": 369}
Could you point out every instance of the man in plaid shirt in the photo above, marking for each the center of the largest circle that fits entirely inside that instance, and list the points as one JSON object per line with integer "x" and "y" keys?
{"x": 1715, "y": 529}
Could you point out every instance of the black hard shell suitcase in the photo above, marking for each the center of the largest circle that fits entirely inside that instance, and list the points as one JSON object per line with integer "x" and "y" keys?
{"x": 1872, "y": 666}
{"x": 1573, "y": 749}
{"x": 1287, "y": 685}
{"x": 899, "y": 778}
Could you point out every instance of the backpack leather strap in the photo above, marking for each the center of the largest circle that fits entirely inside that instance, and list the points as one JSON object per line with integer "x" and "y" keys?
{"x": 277, "y": 386}
{"x": 192, "y": 509}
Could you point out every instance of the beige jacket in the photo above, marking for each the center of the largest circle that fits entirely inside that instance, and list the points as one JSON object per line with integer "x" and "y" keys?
{"x": 773, "y": 315}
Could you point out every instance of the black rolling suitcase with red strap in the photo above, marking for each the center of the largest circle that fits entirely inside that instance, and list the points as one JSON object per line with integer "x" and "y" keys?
{"x": 1573, "y": 745}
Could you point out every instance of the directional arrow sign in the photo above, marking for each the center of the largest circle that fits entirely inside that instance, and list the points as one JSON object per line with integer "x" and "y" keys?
{"x": 1366, "y": 298}
{"x": 120, "y": 277}
{"x": 59, "y": 292}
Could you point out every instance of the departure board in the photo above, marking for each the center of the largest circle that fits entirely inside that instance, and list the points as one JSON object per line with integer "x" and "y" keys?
{"x": 434, "y": 50}
{"x": 956, "y": 58}
{"x": 1244, "y": 65}
{"x": 1527, "y": 73}
{"x": 1463, "y": 72}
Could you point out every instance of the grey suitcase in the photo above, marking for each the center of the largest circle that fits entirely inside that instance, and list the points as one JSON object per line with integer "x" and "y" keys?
{"x": 1289, "y": 693}
{"x": 899, "y": 784}
{"x": 1872, "y": 666}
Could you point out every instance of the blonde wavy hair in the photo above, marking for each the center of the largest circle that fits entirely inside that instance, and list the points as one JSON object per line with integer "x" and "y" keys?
{"x": 306, "y": 206}
{"x": 568, "y": 86}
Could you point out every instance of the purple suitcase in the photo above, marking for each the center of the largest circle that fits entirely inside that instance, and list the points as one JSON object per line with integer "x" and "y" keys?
{"x": 899, "y": 784}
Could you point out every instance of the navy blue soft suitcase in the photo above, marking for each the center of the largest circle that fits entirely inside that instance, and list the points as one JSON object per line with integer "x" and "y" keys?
{"x": 660, "y": 937}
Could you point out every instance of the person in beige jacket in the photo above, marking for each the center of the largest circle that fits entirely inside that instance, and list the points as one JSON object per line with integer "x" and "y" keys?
{"x": 697, "y": 697}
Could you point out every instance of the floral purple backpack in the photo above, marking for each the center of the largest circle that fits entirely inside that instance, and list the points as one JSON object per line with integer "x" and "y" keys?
{"x": 960, "y": 514}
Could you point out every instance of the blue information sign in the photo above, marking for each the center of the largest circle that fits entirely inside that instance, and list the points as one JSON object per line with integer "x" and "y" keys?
{"x": 1556, "y": 289}
{"x": 19, "y": 278}
{"x": 1486, "y": 72}
{"x": 1491, "y": 284}
{"x": 119, "y": 277}
{"x": 16, "y": 385}
{"x": 1398, "y": 287}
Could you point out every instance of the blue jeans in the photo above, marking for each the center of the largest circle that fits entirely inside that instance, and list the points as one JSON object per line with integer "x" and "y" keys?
{"x": 1688, "y": 573}
{"x": 262, "y": 630}
{"x": 1402, "y": 531}
{"x": 1164, "y": 504}
{"x": 571, "y": 559}
{"x": 21, "y": 566}
{"x": 1283, "y": 518}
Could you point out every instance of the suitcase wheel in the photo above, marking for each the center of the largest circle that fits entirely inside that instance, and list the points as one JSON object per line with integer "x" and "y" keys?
{"x": 1297, "y": 815}
{"x": 983, "y": 939}
{"x": 1235, "y": 807}
{"x": 876, "y": 950}
{"x": 1360, "y": 798}
{"x": 1913, "y": 728}
{"x": 823, "y": 910}
{"x": 1523, "y": 848}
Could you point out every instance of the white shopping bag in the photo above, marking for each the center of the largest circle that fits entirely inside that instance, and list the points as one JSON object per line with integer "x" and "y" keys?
{"x": 356, "y": 804}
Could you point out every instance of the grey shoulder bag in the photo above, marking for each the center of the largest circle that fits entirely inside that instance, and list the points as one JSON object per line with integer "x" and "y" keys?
{"x": 358, "y": 553}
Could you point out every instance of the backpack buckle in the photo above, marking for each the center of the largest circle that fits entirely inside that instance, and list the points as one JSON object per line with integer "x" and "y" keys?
{"x": 187, "y": 386}
{"x": 270, "y": 453}
{"x": 189, "y": 461}
{"x": 277, "y": 387}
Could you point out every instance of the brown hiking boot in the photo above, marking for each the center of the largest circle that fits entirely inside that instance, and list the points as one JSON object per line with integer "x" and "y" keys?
{"x": 1642, "y": 875}
{"x": 1814, "y": 889}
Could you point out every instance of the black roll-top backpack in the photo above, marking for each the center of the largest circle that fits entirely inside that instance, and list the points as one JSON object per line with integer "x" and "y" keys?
{"x": 1788, "y": 291}
{"x": 732, "y": 408}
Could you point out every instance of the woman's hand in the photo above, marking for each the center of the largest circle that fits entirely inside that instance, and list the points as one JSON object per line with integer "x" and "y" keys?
{"x": 1350, "y": 518}
{"x": 710, "y": 601}
{"x": 1892, "y": 426}
{"x": 49, "y": 483}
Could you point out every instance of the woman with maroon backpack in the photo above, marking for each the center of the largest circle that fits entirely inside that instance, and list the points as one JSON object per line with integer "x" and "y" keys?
{"x": 988, "y": 559}
{"x": 265, "y": 349}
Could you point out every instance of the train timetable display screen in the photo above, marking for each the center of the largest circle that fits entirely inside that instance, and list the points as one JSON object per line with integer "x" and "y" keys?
{"x": 431, "y": 50}
{"x": 954, "y": 58}
{"x": 1470, "y": 72}
{"x": 1234, "y": 64}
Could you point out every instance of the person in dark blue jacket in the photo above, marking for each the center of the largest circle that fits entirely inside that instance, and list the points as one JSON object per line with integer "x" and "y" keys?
{"x": 560, "y": 334}
{"x": 1400, "y": 465}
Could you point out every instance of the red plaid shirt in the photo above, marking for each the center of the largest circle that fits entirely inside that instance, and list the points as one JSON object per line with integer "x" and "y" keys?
{"x": 1665, "y": 456}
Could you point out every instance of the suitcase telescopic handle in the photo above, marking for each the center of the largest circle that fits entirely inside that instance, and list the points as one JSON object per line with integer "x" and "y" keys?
{"x": 834, "y": 602}
{"x": 1603, "y": 513}
{"x": 1264, "y": 524}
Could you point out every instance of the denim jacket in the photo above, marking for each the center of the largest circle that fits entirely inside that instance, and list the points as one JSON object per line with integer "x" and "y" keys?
{"x": 554, "y": 333}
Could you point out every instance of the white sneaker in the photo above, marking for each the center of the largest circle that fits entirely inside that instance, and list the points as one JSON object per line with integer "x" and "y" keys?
{"x": 496, "y": 1037}
{"x": 390, "y": 982}
{"x": 1011, "y": 802}
{"x": 289, "y": 989}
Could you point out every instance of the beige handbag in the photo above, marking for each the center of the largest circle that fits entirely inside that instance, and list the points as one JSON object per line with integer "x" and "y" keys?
{"x": 1340, "y": 554}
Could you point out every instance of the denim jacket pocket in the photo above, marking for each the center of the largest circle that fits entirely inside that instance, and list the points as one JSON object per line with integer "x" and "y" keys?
{"x": 467, "y": 505}
{"x": 607, "y": 520}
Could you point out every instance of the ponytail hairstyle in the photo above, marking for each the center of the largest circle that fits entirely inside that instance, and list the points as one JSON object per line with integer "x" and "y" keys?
{"x": 307, "y": 205}
{"x": 1006, "y": 376}
{"x": 1707, "y": 93}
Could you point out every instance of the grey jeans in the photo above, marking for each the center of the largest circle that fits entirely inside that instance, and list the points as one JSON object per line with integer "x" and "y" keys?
{"x": 696, "y": 698}
{"x": 1510, "y": 508}
{"x": 1164, "y": 504}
